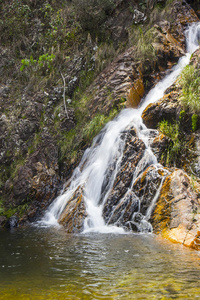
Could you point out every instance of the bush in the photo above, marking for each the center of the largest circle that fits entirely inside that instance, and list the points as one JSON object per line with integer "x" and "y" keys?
{"x": 92, "y": 13}
{"x": 176, "y": 145}
{"x": 143, "y": 40}
{"x": 194, "y": 122}
{"x": 44, "y": 63}
{"x": 190, "y": 83}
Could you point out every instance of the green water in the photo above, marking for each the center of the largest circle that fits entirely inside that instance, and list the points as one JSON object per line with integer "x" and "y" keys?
{"x": 49, "y": 264}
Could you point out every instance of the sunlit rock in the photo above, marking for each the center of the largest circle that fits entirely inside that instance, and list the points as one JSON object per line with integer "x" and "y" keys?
{"x": 167, "y": 108}
{"x": 177, "y": 213}
{"x": 74, "y": 214}
{"x": 135, "y": 93}
{"x": 132, "y": 154}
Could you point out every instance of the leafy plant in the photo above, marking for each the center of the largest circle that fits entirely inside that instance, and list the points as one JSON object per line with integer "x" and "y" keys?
{"x": 190, "y": 83}
{"x": 194, "y": 122}
{"x": 176, "y": 145}
{"x": 44, "y": 62}
{"x": 105, "y": 53}
{"x": 143, "y": 4}
{"x": 92, "y": 13}
{"x": 143, "y": 40}
{"x": 1, "y": 207}
{"x": 182, "y": 114}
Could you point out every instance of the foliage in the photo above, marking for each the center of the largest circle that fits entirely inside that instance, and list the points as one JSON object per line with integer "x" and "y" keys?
{"x": 104, "y": 55}
{"x": 1, "y": 207}
{"x": 190, "y": 83}
{"x": 176, "y": 144}
{"x": 143, "y": 40}
{"x": 81, "y": 136}
{"x": 44, "y": 62}
{"x": 96, "y": 124}
{"x": 19, "y": 210}
{"x": 143, "y": 4}
{"x": 92, "y": 13}
{"x": 194, "y": 122}
{"x": 182, "y": 115}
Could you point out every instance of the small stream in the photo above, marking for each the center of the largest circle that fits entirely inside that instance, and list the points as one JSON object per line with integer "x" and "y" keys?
{"x": 46, "y": 263}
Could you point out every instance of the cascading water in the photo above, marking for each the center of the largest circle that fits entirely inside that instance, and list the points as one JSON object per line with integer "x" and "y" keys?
{"x": 103, "y": 159}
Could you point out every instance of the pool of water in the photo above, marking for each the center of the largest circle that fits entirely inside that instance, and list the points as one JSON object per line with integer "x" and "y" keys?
{"x": 47, "y": 263}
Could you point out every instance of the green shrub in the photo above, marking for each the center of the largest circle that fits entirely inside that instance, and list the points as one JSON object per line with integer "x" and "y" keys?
{"x": 194, "y": 122}
{"x": 143, "y": 41}
{"x": 176, "y": 145}
{"x": 44, "y": 63}
{"x": 92, "y": 13}
{"x": 181, "y": 115}
{"x": 190, "y": 83}
{"x": 1, "y": 207}
{"x": 104, "y": 55}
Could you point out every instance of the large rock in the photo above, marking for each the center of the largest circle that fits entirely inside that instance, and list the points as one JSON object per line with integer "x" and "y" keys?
{"x": 74, "y": 214}
{"x": 135, "y": 207}
{"x": 159, "y": 146}
{"x": 133, "y": 152}
{"x": 147, "y": 187}
{"x": 135, "y": 93}
{"x": 167, "y": 108}
{"x": 177, "y": 213}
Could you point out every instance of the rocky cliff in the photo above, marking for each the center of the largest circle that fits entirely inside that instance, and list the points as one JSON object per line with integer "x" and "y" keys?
{"x": 62, "y": 79}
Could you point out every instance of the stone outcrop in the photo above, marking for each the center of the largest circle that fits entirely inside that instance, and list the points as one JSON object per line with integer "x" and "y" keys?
{"x": 74, "y": 214}
{"x": 36, "y": 183}
{"x": 168, "y": 108}
{"x": 177, "y": 213}
{"x": 133, "y": 153}
{"x": 126, "y": 77}
{"x": 133, "y": 209}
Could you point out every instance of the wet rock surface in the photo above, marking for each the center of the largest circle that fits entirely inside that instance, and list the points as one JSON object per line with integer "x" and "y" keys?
{"x": 74, "y": 214}
{"x": 133, "y": 152}
{"x": 133, "y": 209}
{"x": 176, "y": 216}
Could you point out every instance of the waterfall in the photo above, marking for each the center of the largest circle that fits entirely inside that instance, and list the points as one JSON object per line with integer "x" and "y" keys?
{"x": 104, "y": 157}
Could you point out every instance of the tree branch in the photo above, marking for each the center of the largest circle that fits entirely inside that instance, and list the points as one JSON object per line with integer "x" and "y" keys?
{"x": 64, "y": 86}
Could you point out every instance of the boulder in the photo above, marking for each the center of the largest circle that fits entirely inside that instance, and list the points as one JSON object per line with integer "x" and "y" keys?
{"x": 177, "y": 213}
{"x": 74, "y": 214}
{"x": 159, "y": 145}
{"x": 167, "y": 108}
{"x": 135, "y": 93}
{"x": 133, "y": 152}
{"x": 147, "y": 187}
{"x": 139, "y": 200}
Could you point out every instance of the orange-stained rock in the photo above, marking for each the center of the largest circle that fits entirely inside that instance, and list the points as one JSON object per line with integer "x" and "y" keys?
{"x": 74, "y": 213}
{"x": 167, "y": 108}
{"x": 177, "y": 213}
{"x": 135, "y": 94}
{"x": 196, "y": 242}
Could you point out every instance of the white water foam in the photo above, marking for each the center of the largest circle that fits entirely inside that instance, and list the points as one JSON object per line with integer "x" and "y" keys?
{"x": 106, "y": 153}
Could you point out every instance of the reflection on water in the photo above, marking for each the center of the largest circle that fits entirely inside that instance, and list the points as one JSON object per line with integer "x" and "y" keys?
{"x": 49, "y": 264}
